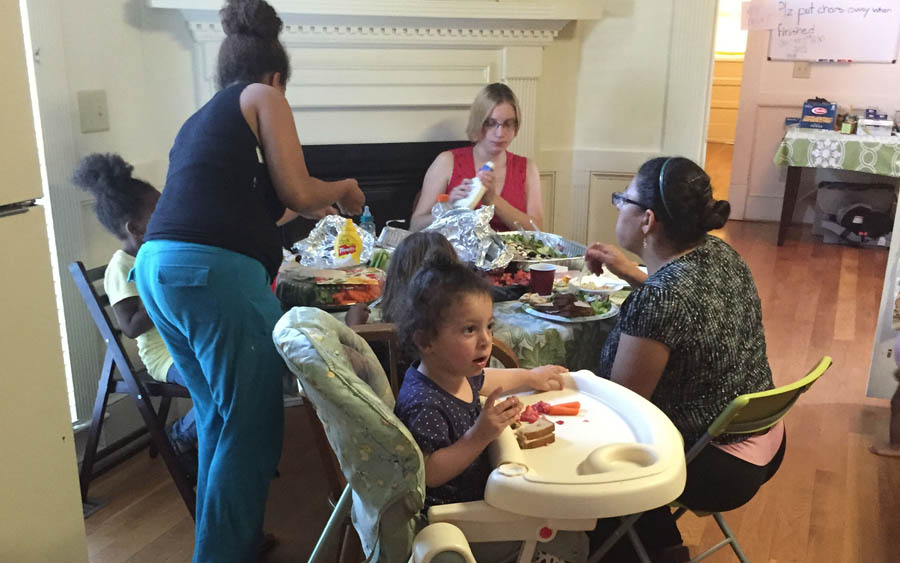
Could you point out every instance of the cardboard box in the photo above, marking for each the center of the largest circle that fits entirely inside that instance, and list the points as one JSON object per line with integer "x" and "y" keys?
{"x": 818, "y": 115}
{"x": 875, "y": 127}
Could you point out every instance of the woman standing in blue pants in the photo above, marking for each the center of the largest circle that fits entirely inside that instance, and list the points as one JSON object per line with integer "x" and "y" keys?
{"x": 211, "y": 250}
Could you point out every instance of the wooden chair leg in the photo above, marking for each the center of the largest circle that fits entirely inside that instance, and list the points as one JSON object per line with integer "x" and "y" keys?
{"x": 351, "y": 548}
{"x": 158, "y": 435}
{"x": 163, "y": 415}
{"x": 90, "y": 449}
{"x": 329, "y": 462}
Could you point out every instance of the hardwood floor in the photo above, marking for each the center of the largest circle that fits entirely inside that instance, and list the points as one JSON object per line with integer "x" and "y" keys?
{"x": 718, "y": 166}
{"x": 832, "y": 501}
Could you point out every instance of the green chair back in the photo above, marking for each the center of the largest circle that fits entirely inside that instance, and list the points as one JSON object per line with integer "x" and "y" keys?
{"x": 755, "y": 412}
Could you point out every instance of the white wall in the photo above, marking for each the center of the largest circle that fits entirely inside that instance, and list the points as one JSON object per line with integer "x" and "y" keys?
{"x": 768, "y": 95}
{"x": 609, "y": 99}
{"x": 143, "y": 58}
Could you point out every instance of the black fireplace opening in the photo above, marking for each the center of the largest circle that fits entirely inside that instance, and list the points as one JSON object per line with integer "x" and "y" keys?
{"x": 389, "y": 174}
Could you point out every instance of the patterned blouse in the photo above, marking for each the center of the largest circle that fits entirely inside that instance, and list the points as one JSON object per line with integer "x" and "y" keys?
{"x": 437, "y": 420}
{"x": 704, "y": 306}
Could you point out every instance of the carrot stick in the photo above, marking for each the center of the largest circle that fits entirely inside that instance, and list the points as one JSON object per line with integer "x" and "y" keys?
{"x": 558, "y": 410}
{"x": 572, "y": 405}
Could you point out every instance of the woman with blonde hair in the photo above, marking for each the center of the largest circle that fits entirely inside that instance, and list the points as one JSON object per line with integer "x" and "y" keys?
{"x": 513, "y": 187}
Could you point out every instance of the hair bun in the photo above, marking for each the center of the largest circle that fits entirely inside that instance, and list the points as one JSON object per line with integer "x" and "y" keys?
{"x": 250, "y": 17}
{"x": 716, "y": 215}
{"x": 99, "y": 173}
{"x": 437, "y": 260}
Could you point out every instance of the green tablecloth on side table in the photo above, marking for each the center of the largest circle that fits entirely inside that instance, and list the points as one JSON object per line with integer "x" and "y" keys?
{"x": 815, "y": 148}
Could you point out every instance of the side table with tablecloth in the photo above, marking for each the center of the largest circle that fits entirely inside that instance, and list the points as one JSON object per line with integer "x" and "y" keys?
{"x": 813, "y": 148}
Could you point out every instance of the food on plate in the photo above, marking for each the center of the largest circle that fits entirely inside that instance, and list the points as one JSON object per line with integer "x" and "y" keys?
{"x": 529, "y": 414}
{"x": 380, "y": 259}
{"x": 503, "y": 278}
{"x": 353, "y": 295}
{"x": 600, "y": 304}
{"x": 559, "y": 409}
{"x": 303, "y": 286}
{"x": 534, "y": 299}
{"x": 530, "y": 248}
{"x": 591, "y": 282}
{"x": 566, "y": 305}
{"x": 535, "y": 434}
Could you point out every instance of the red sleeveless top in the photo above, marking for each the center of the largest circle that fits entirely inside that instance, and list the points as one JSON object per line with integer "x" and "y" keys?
{"x": 513, "y": 186}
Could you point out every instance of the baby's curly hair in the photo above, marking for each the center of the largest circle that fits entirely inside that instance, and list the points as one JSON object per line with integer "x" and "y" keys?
{"x": 251, "y": 48}
{"x": 120, "y": 196}
{"x": 441, "y": 282}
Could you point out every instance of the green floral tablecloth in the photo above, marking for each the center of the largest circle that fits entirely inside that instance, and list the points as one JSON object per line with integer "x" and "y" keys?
{"x": 539, "y": 342}
{"x": 829, "y": 149}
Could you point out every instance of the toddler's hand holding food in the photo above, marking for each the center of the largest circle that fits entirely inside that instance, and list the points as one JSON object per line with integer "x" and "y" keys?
{"x": 546, "y": 378}
{"x": 495, "y": 416}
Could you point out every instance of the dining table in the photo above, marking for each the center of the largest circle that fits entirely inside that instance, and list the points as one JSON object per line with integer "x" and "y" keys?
{"x": 539, "y": 342}
{"x": 575, "y": 344}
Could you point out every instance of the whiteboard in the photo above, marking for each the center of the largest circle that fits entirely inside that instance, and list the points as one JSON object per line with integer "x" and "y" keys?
{"x": 836, "y": 31}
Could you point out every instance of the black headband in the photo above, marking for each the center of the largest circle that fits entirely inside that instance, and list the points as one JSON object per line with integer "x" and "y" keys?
{"x": 662, "y": 194}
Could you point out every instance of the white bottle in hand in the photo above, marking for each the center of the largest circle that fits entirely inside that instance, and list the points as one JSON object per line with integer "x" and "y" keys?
{"x": 472, "y": 200}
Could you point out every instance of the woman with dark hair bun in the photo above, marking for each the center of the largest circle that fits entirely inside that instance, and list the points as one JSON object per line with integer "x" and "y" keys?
{"x": 689, "y": 337}
{"x": 211, "y": 250}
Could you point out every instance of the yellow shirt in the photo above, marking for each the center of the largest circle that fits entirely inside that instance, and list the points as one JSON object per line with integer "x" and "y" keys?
{"x": 151, "y": 348}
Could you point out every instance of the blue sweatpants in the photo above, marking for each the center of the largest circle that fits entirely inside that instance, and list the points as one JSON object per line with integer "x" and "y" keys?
{"x": 215, "y": 311}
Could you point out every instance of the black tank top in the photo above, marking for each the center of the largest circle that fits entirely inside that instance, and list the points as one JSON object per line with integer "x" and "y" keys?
{"x": 218, "y": 190}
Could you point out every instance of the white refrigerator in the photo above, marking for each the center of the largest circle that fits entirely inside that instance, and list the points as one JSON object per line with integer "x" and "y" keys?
{"x": 40, "y": 509}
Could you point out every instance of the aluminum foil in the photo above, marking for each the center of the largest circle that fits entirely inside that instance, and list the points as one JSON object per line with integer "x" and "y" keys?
{"x": 317, "y": 250}
{"x": 470, "y": 233}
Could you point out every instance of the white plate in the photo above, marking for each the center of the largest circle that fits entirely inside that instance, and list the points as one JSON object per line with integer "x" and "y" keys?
{"x": 610, "y": 282}
{"x": 613, "y": 311}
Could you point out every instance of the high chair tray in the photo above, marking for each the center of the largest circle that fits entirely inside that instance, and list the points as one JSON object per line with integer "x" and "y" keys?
{"x": 619, "y": 455}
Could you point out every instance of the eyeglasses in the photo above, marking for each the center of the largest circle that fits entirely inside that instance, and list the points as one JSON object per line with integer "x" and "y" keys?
{"x": 619, "y": 199}
{"x": 509, "y": 124}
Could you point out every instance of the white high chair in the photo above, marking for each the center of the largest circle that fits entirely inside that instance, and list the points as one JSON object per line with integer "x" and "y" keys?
{"x": 592, "y": 471}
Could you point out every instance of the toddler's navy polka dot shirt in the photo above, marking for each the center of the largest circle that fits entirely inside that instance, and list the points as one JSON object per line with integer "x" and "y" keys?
{"x": 436, "y": 420}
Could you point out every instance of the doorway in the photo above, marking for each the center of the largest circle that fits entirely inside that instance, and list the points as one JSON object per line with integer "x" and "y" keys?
{"x": 730, "y": 45}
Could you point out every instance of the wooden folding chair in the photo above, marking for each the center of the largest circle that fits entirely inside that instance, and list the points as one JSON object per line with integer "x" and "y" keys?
{"x": 120, "y": 376}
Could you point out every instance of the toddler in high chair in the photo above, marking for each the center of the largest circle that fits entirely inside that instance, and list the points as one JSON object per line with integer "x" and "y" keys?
{"x": 448, "y": 320}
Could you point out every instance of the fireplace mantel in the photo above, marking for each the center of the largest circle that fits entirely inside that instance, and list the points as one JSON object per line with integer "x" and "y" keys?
{"x": 374, "y": 71}
{"x": 435, "y": 22}
{"x": 509, "y": 10}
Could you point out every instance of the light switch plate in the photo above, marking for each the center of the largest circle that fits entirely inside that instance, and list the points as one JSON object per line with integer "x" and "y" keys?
{"x": 93, "y": 111}
{"x": 802, "y": 69}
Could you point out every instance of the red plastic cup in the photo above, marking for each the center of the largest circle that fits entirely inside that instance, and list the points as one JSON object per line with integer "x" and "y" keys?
{"x": 542, "y": 278}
